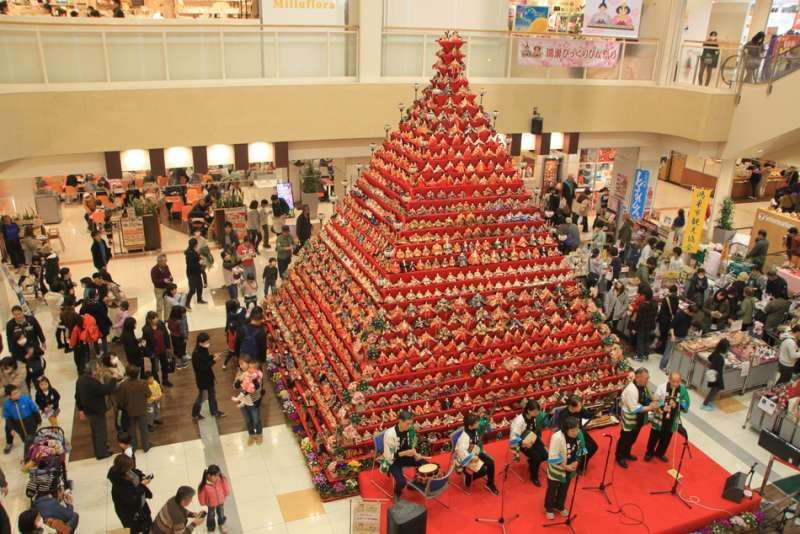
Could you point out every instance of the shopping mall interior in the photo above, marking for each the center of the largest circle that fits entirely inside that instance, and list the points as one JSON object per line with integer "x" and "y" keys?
{"x": 394, "y": 266}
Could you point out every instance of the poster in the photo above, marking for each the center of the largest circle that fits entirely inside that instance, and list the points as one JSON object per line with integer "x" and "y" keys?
{"x": 531, "y": 19}
{"x": 556, "y": 52}
{"x": 238, "y": 218}
{"x": 132, "y": 233}
{"x": 612, "y": 18}
{"x": 641, "y": 182}
{"x": 696, "y": 221}
{"x": 365, "y": 517}
{"x": 618, "y": 191}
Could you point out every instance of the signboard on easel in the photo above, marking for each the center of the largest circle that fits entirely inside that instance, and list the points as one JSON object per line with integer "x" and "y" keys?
{"x": 132, "y": 233}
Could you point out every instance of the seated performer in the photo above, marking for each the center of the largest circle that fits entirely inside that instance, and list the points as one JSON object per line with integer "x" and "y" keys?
{"x": 575, "y": 409}
{"x": 637, "y": 403}
{"x": 566, "y": 448}
{"x": 399, "y": 450}
{"x": 673, "y": 398}
{"x": 469, "y": 454}
{"x": 526, "y": 436}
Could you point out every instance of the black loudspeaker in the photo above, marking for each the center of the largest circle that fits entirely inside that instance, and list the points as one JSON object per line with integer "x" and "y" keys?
{"x": 734, "y": 487}
{"x": 537, "y": 125}
{"x": 407, "y": 518}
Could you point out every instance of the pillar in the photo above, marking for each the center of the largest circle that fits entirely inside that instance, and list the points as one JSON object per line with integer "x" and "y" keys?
{"x": 370, "y": 40}
{"x": 758, "y": 17}
{"x": 722, "y": 190}
{"x": 671, "y": 37}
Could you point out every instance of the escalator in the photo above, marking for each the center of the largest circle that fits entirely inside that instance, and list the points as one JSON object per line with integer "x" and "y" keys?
{"x": 766, "y": 117}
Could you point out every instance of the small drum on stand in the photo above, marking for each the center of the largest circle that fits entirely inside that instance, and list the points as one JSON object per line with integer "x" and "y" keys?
{"x": 427, "y": 472}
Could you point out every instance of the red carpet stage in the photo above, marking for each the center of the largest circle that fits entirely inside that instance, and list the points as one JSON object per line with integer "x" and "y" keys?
{"x": 703, "y": 479}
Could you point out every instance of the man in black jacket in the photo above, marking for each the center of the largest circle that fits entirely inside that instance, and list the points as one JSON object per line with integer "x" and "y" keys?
{"x": 90, "y": 398}
{"x": 101, "y": 253}
{"x": 304, "y": 225}
{"x": 251, "y": 338}
{"x": 574, "y": 408}
{"x": 203, "y": 364}
{"x": 23, "y": 331}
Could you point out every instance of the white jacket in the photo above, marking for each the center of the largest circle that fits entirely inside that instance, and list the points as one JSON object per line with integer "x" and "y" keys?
{"x": 463, "y": 452}
{"x": 788, "y": 352}
{"x": 518, "y": 427}
{"x": 391, "y": 443}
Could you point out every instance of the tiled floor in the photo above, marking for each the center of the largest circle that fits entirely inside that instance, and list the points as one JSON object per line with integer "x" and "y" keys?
{"x": 272, "y": 489}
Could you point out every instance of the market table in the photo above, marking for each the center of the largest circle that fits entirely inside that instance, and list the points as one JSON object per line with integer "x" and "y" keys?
{"x": 752, "y": 363}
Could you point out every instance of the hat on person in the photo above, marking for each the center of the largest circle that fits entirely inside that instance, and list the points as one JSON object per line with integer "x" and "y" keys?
{"x": 743, "y": 277}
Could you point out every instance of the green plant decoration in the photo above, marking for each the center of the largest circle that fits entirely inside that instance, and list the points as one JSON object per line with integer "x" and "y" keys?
{"x": 725, "y": 219}
{"x": 231, "y": 199}
{"x": 145, "y": 206}
{"x": 311, "y": 179}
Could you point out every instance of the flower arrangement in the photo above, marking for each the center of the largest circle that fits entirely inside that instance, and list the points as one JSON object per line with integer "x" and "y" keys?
{"x": 744, "y": 522}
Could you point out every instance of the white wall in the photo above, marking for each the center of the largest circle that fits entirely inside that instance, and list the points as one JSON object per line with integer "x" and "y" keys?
{"x": 461, "y": 14}
{"x": 61, "y": 165}
{"x": 344, "y": 148}
{"x": 698, "y": 14}
{"x": 727, "y": 19}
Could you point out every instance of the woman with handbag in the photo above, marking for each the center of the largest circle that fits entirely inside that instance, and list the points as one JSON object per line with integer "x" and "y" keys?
{"x": 129, "y": 492}
{"x": 714, "y": 373}
{"x": 709, "y": 59}
{"x": 157, "y": 345}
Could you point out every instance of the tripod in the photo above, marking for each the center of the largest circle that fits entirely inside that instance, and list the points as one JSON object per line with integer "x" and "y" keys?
{"x": 674, "y": 489}
{"x": 603, "y": 484}
{"x": 568, "y": 521}
{"x": 502, "y": 520}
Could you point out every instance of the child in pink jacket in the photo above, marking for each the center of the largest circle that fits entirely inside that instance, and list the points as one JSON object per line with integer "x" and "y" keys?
{"x": 211, "y": 492}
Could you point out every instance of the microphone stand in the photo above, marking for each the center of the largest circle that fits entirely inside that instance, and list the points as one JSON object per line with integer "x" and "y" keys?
{"x": 603, "y": 484}
{"x": 502, "y": 520}
{"x": 674, "y": 489}
{"x": 568, "y": 521}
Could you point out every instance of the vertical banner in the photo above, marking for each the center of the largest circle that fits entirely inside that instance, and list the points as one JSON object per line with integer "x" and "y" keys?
{"x": 696, "y": 222}
{"x": 641, "y": 182}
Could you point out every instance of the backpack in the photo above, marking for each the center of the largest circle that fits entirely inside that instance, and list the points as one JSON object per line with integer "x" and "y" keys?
{"x": 249, "y": 344}
{"x": 89, "y": 331}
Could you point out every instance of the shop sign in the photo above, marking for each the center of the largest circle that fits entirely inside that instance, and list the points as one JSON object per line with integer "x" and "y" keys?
{"x": 693, "y": 235}
{"x": 304, "y": 12}
{"x": 641, "y": 182}
{"x": 555, "y": 52}
{"x": 612, "y": 18}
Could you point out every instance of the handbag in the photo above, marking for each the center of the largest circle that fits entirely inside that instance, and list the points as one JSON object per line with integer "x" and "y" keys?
{"x": 170, "y": 361}
{"x": 711, "y": 375}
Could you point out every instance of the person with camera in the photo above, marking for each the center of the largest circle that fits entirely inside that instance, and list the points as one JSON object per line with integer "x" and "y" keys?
{"x": 175, "y": 517}
{"x": 129, "y": 492}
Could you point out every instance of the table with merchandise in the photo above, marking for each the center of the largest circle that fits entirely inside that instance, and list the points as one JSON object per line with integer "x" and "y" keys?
{"x": 750, "y": 363}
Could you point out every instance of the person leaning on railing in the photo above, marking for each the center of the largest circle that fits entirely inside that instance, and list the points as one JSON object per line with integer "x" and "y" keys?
{"x": 709, "y": 59}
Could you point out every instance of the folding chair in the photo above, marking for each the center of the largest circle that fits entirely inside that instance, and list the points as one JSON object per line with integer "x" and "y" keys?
{"x": 434, "y": 487}
{"x": 453, "y": 440}
{"x": 377, "y": 441}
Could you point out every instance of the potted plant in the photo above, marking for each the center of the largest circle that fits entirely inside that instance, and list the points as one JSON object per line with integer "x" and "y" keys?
{"x": 311, "y": 186}
{"x": 723, "y": 229}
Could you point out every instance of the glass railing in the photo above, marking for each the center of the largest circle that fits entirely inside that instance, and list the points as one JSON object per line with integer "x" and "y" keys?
{"x": 691, "y": 70}
{"x": 91, "y": 51}
{"x": 410, "y": 53}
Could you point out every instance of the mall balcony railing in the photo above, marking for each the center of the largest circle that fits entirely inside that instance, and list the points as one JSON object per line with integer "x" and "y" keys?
{"x": 689, "y": 68}
{"x": 411, "y": 53}
{"x": 762, "y": 70}
{"x": 91, "y": 51}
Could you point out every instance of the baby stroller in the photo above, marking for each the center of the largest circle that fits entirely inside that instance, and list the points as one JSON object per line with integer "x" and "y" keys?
{"x": 46, "y": 461}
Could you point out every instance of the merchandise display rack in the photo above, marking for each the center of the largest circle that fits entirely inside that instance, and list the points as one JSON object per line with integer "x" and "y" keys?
{"x": 436, "y": 287}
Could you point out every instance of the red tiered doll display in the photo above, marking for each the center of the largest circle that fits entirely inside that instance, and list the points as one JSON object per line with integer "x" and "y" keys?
{"x": 435, "y": 287}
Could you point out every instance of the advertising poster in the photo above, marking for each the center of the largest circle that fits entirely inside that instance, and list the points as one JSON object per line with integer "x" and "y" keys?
{"x": 555, "y": 52}
{"x": 617, "y": 192}
{"x": 365, "y": 517}
{"x": 612, "y": 18}
{"x": 238, "y": 218}
{"x": 641, "y": 182}
{"x": 696, "y": 221}
{"x": 531, "y": 19}
{"x": 132, "y": 233}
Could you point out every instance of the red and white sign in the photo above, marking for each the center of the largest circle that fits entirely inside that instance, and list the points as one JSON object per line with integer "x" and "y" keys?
{"x": 546, "y": 52}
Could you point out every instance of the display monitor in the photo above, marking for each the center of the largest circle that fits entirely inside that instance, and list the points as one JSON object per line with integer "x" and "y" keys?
{"x": 285, "y": 192}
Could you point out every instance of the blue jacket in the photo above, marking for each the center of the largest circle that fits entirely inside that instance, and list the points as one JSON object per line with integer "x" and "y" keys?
{"x": 50, "y": 508}
{"x": 25, "y": 405}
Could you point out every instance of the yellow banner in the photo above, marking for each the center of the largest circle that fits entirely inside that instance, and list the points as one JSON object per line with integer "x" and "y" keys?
{"x": 696, "y": 221}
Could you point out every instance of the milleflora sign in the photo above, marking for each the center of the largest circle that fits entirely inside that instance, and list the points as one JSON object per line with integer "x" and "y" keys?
{"x": 303, "y": 12}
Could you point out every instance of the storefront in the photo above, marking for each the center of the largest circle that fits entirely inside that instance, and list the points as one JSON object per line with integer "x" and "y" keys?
{"x": 596, "y": 167}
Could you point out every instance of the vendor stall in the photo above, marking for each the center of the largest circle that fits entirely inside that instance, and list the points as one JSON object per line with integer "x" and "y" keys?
{"x": 750, "y": 363}
{"x": 776, "y": 224}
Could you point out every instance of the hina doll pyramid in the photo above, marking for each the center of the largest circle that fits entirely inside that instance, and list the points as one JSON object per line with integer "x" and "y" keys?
{"x": 436, "y": 287}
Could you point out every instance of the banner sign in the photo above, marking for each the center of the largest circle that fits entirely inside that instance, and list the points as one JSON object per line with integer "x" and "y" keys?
{"x": 304, "y": 12}
{"x": 532, "y": 19}
{"x": 693, "y": 234}
{"x": 546, "y": 52}
{"x": 612, "y": 18}
{"x": 641, "y": 181}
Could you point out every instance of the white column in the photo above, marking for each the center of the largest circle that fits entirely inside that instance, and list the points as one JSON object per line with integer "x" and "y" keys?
{"x": 370, "y": 26}
{"x": 722, "y": 190}
{"x": 759, "y": 16}
{"x": 670, "y": 39}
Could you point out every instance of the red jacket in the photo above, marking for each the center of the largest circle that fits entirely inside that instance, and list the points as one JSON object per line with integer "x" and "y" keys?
{"x": 214, "y": 494}
{"x": 86, "y": 332}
